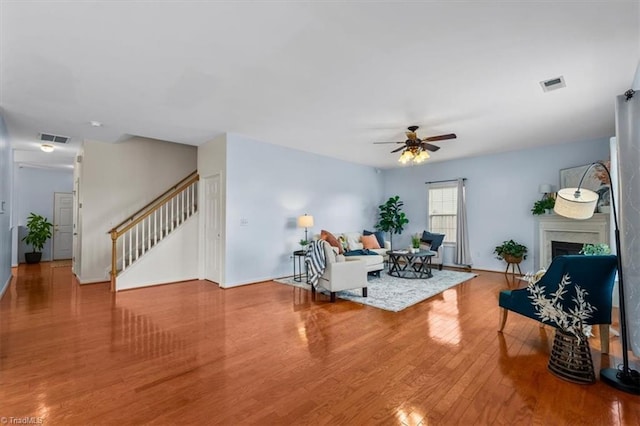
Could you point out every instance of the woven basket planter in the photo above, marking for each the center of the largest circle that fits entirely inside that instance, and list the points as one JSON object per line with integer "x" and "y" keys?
{"x": 570, "y": 358}
{"x": 511, "y": 259}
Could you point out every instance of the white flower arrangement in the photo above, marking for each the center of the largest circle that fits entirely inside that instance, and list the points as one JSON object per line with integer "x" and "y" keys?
{"x": 550, "y": 309}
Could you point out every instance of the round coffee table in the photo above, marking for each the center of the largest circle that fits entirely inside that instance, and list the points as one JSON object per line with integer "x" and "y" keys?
{"x": 403, "y": 264}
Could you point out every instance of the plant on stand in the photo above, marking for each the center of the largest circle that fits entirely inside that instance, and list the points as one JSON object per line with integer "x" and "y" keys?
{"x": 304, "y": 244}
{"x": 392, "y": 219}
{"x": 511, "y": 252}
{"x": 39, "y": 231}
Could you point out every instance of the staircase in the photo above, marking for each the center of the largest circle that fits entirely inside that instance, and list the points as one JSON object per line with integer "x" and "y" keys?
{"x": 146, "y": 228}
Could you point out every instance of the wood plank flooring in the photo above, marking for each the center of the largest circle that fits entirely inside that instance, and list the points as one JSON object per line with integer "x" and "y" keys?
{"x": 269, "y": 354}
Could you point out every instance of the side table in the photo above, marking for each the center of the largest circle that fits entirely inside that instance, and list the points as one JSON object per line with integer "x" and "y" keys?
{"x": 298, "y": 256}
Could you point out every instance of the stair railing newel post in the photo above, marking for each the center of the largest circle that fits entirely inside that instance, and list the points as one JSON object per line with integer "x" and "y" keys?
{"x": 114, "y": 239}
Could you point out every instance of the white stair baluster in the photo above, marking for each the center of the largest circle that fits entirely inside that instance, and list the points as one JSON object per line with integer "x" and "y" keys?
{"x": 137, "y": 246}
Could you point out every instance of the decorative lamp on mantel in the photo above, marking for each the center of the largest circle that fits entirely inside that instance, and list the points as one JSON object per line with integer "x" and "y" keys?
{"x": 580, "y": 203}
{"x": 305, "y": 222}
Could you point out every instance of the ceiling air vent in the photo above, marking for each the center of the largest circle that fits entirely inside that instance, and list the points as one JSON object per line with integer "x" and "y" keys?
{"x": 553, "y": 84}
{"x": 48, "y": 137}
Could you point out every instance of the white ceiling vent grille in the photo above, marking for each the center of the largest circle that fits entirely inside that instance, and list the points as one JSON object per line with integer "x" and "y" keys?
{"x": 48, "y": 137}
{"x": 553, "y": 84}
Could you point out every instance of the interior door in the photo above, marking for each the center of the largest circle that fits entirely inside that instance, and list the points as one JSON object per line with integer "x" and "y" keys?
{"x": 212, "y": 228}
{"x": 62, "y": 225}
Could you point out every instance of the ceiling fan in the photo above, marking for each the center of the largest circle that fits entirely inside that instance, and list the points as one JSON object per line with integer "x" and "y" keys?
{"x": 415, "y": 148}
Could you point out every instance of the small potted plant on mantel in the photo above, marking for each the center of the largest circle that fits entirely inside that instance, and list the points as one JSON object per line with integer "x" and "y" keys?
{"x": 39, "y": 231}
{"x": 544, "y": 206}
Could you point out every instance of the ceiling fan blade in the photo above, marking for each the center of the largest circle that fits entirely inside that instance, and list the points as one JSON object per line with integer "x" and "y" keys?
{"x": 388, "y": 142}
{"x": 398, "y": 149}
{"x": 440, "y": 138}
{"x": 429, "y": 147}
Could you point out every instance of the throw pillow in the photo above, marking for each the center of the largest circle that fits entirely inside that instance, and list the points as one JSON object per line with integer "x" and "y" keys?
{"x": 329, "y": 237}
{"x": 343, "y": 243}
{"x": 353, "y": 240}
{"x": 379, "y": 236}
{"x": 370, "y": 242}
{"x": 434, "y": 239}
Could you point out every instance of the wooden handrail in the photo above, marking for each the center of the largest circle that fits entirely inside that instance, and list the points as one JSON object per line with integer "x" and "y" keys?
{"x": 139, "y": 219}
{"x": 172, "y": 189}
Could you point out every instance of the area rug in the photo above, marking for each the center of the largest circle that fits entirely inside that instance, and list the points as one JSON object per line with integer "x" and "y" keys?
{"x": 395, "y": 294}
{"x": 60, "y": 263}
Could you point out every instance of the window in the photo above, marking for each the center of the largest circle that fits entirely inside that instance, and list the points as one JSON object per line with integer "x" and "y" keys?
{"x": 443, "y": 206}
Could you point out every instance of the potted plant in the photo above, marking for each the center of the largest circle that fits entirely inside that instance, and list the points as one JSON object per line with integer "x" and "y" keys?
{"x": 543, "y": 206}
{"x": 392, "y": 218}
{"x": 595, "y": 249}
{"x": 39, "y": 231}
{"x": 304, "y": 244}
{"x": 511, "y": 252}
{"x": 415, "y": 242}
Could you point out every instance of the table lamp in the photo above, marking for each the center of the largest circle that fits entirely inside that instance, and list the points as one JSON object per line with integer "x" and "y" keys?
{"x": 305, "y": 222}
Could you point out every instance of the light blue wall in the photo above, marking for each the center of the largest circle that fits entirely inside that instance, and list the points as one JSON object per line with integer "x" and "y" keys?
{"x": 501, "y": 190}
{"x": 34, "y": 190}
{"x": 5, "y": 196}
{"x": 270, "y": 186}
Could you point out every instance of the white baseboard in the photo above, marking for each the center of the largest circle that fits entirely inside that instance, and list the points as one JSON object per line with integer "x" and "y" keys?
{"x": 241, "y": 283}
{"x": 92, "y": 280}
{"x": 5, "y": 286}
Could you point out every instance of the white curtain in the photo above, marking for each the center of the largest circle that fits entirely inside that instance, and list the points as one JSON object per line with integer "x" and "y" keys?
{"x": 463, "y": 253}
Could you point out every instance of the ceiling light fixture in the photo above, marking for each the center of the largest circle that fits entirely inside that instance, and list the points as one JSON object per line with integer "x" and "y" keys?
{"x": 47, "y": 147}
{"x": 415, "y": 154}
{"x": 95, "y": 123}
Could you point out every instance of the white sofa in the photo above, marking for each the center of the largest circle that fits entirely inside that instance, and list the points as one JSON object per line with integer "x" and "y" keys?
{"x": 351, "y": 241}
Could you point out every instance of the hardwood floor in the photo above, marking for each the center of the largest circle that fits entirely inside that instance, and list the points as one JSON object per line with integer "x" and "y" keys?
{"x": 269, "y": 354}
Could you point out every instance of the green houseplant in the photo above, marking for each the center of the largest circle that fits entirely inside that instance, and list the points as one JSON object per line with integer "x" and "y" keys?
{"x": 38, "y": 232}
{"x": 595, "y": 249}
{"x": 391, "y": 217}
{"x": 415, "y": 241}
{"x": 544, "y": 205}
{"x": 511, "y": 251}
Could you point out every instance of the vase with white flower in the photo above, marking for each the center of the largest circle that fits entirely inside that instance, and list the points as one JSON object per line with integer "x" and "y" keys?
{"x": 570, "y": 357}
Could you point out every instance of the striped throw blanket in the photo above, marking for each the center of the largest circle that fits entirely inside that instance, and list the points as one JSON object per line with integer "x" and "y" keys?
{"x": 316, "y": 261}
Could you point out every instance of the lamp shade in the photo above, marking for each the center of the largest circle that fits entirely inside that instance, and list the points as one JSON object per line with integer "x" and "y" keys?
{"x": 580, "y": 207}
{"x": 305, "y": 221}
{"x": 545, "y": 188}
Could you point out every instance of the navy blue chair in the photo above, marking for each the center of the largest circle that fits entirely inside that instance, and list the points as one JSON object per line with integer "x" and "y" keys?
{"x": 595, "y": 274}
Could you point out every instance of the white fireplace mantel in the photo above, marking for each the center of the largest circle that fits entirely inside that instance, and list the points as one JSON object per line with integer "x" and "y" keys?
{"x": 554, "y": 227}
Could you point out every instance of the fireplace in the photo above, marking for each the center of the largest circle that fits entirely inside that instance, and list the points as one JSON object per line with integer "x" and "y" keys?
{"x": 560, "y": 248}
{"x": 553, "y": 228}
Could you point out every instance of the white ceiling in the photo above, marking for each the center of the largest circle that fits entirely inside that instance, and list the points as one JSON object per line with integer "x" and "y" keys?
{"x": 324, "y": 77}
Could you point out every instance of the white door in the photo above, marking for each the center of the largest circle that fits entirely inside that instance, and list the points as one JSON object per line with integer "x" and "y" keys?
{"x": 62, "y": 225}
{"x": 212, "y": 228}
{"x": 77, "y": 220}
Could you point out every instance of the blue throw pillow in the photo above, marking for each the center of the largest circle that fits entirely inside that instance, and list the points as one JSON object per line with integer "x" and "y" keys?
{"x": 379, "y": 236}
{"x": 434, "y": 239}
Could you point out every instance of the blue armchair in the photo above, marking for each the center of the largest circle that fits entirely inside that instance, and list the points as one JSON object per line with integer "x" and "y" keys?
{"x": 595, "y": 274}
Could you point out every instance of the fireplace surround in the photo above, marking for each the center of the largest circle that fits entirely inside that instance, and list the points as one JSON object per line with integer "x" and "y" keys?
{"x": 558, "y": 228}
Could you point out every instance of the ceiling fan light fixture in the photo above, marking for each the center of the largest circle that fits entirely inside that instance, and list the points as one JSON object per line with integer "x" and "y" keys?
{"x": 415, "y": 154}
{"x": 406, "y": 156}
